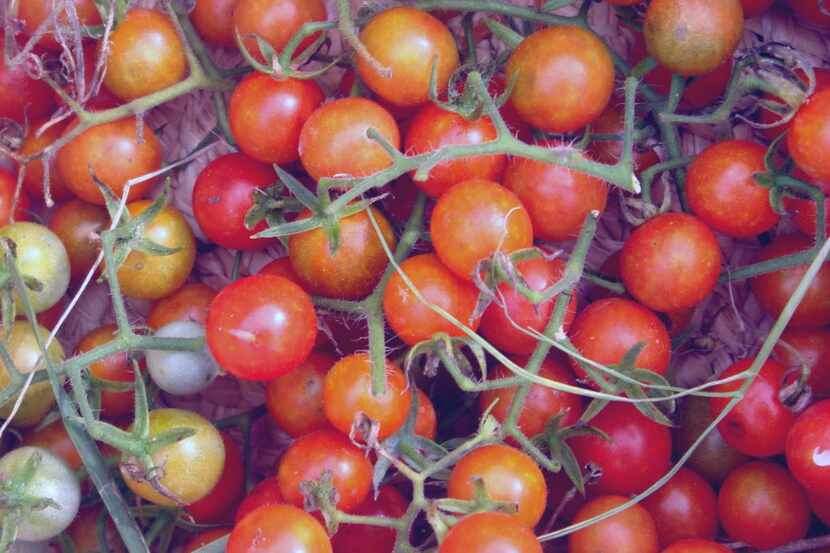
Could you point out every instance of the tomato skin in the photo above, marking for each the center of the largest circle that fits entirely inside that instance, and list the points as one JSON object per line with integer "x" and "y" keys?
{"x": 276, "y": 21}
{"x": 390, "y": 503}
{"x": 32, "y": 13}
{"x": 266, "y": 115}
{"x": 79, "y": 225}
{"x": 508, "y": 475}
{"x": 489, "y": 532}
{"x": 761, "y": 505}
{"x": 213, "y": 19}
{"x": 426, "y": 419}
{"x": 221, "y": 502}
{"x": 297, "y": 532}
{"x": 722, "y": 193}
{"x": 685, "y": 507}
{"x": 805, "y": 215}
{"x": 116, "y": 367}
{"x": 295, "y": 400}
{"x": 266, "y": 492}
{"x": 34, "y": 143}
{"x": 222, "y": 197}
{"x": 539, "y": 274}
{"x": 475, "y": 219}
{"x": 145, "y": 276}
{"x": 767, "y": 117}
{"x": 54, "y": 438}
{"x": 542, "y": 403}
{"x": 85, "y": 535}
{"x": 807, "y": 443}
{"x": 696, "y": 546}
{"x": 204, "y": 538}
{"x": 754, "y": 8}
{"x": 261, "y": 327}
{"x": 638, "y": 454}
{"x": 412, "y": 320}
{"x": 808, "y": 11}
{"x": 807, "y": 139}
{"x": 670, "y": 263}
{"x": 810, "y": 347}
{"x": 334, "y": 140}
{"x": 22, "y": 97}
{"x": 631, "y": 531}
{"x": 433, "y": 128}
{"x": 563, "y": 62}
{"x": 407, "y": 41}
{"x": 611, "y": 121}
{"x": 8, "y": 185}
{"x": 325, "y": 450}
{"x": 557, "y": 198}
{"x": 347, "y": 392}
{"x": 188, "y": 303}
{"x": 98, "y": 148}
{"x": 693, "y": 37}
{"x": 351, "y": 272}
{"x": 773, "y": 290}
{"x": 743, "y": 428}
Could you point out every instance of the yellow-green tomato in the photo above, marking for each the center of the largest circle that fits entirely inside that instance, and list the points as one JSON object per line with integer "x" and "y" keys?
{"x": 40, "y": 255}
{"x": 188, "y": 469}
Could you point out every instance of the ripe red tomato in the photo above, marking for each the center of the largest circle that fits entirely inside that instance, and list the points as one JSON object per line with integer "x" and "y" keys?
{"x": 610, "y": 122}
{"x": 807, "y": 445}
{"x": 761, "y": 505}
{"x": 334, "y": 140}
{"x": 22, "y": 97}
{"x": 697, "y": 546}
{"x": 767, "y": 117}
{"x": 693, "y": 37}
{"x": 426, "y": 419}
{"x": 408, "y": 42}
{"x": 807, "y": 139}
{"x": 433, "y": 128}
{"x": 390, "y": 503}
{"x": 213, "y": 19}
{"x": 116, "y": 367}
{"x": 266, "y": 115}
{"x": 567, "y": 63}
{"x": 266, "y": 492}
{"x": 411, "y": 319}
{"x": 809, "y": 347}
{"x": 188, "y": 303}
{"x": 114, "y": 153}
{"x": 557, "y": 198}
{"x": 631, "y": 531}
{"x": 295, "y": 400}
{"x": 222, "y": 197}
{"x": 759, "y": 423}
{"x": 491, "y": 533}
{"x": 670, "y": 263}
{"x": 721, "y": 191}
{"x": 145, "y": 55}
{"x": 220, "y": 504}
{"x": 773, "y": 290}
{"x": 34, "y": 143}
{"x": 542, "y": 403}
{"x": 261, "y": 327}
{"x": 297, "y": 532}
{"x": 809, "y": 12}
{"x": 79, "y": 226}
{"x": 475, "y": 219}
{"x": 508, "y": 475}
{"x": 638, "y": 453}
{"x": 685, "y": 507}
{"x": 275, "y": 21}
{"x": 8, "y": 185}
{"x": 351, "y": 272}
{"x": 203, "y": 538}
{"x": 347, "y": 392}
{"x": 805, "y": 215}
{"x": 32, "y": 14}
{"x": 325, "y": 451}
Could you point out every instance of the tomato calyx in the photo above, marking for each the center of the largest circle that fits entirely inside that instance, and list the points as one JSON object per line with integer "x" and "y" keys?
{"x": 287, "y": 64}
{"x": 14, "y": 497}
{"x": 556, "y": 439}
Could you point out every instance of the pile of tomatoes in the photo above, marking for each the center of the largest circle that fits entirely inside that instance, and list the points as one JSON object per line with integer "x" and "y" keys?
{"x": 450, "y": 373}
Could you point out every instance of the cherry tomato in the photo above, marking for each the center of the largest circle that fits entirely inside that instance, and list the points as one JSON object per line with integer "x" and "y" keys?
{"x": 351, "y": 272}
{"x": 611, "y": 122}
{"x": 203, "y": 538}
{"x": 512, "y": 308}
{"x": 371, "y": 539}
{"x": 297, "y": 532}
{"x": 275, "y": 21}
{"x": 114, "y": 154}
{"x": 33, "y": 143}
{"x": 754, "y": 8}
{"x": 542, "y": 402}
{"x": 153, "y": 277}
{"x": 295, "y": 400}
{"x": 221, "y": 502}
{"x": 23, "y": 98}
{"x": 670, "y": 263}
{"x": 188, "y": 303}
{"x": 86, "y": 535}
{"x": 807, "y": 138}
{"x": 8, "y": 185}
{"x": 759, "y": 423}
{"x": 413, "y": 320}
{"x": 697, "y": 546}
{"x": 54, "y": 438}
{"x": 767, "y": 117}
{"x": 222, "y": 197}
{"x": 761, "y": 505}
{"x": 807, "y": 444}
{"x": 266, "y": 115}
{"x": 191, "y": 467}
{"x": 33, "y": 13}
{"x": 115, "y": 368}
{"x": 810, "y": 12}
{"x": 810, "y": 347}
{"x": 563, "y": 62}
{"x": 693, "y": 37}
{"x": 491, "y": 533}
{"x": 631, "y": 531}
{"x": 325, "y": 451}
{"x": 266, "y": 492}
{"x": 475, "y": 219}
{"x": 805, "y": 214}
{"x": 637, "y": 454}
{"x": 685, "y": 507}
{"x": 261, "y": 327}
{"x": 773, "y": 290}
{"x": 426, "y": 419}
{"x": 146, "y": 55}
{"x": 408, "y": 42}
{"x": 721, "y": 191}
{"x": 79, "y": 226}
{"x": 434, "y": 128}
{"x": 213, "y": 19}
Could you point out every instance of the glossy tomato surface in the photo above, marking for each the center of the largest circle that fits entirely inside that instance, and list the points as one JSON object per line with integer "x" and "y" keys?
{"x": 631, "y": 531}
{"x": 297, "y": 532}
{"x": 685, "y": 507}
{"x": 808, "y": 444}
{"x": 491, "y": 533}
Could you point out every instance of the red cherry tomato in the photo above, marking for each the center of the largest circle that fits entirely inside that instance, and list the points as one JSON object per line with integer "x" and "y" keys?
{"x": 79, "y": 226}
{"x": 188, "y": 303}
{"x": 33, "y": 13}
{"x": 116, "y": 367}
{"x": 295, "y": 400}
{"x": 22, "y": 97}
{"x": 631, "y": 531}
{"x": 809, "y": 136}
{"x": 275, "y": 21}
{"x": 266, "y": 492}
{"x": 213, "y": 19}
{"x": 685, "y": 507}
{"x": 491, "y": 533}
{"x": 33, "y": 143}
{"x": 426, "y": 419}
{"x": 810, "y": 347}
{"x": 697, "y": 546}
{"x": 261, "y": 327}
{"x": 8, "y": 185}
{"x": 808, "y": 446}
{"x": 390, "y": 503}
{"x": 768, "y": 117}
{"x": 222, "y": 501}
{"x": 297, "y": 532}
